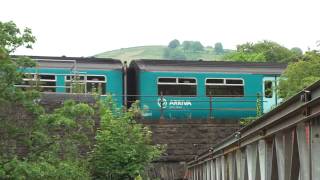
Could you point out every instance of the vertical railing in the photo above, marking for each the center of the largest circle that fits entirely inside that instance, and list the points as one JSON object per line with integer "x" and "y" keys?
{"x": 282, "y": 145}
{"x": 211, "y": 107}
{"x": 161, "y": 106}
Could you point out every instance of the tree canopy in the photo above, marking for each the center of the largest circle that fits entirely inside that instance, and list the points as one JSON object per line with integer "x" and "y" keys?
{"x": 218, "y": 48}
{"x": 192, "y": 46}
{"x": 300, "y": 74}
{"x": 174, "y": 44}
{"x": 264, "y": 51}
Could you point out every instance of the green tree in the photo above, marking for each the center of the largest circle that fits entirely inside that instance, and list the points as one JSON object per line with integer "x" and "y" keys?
{"x": 192, "y": 46}
{"x": 186, "y": 45}
{"x": 11, "y": 37}
{"x": 28, "y": 150}
{"x": 196, "y": 46}
{"x": 263, "y": 51}
{"x": 300, "y": 74}
{"x": 297, "y": 51}
{"x": 174, "y": 44}
{"x": 218, "y": 48}
{"x": 124, "y": 147}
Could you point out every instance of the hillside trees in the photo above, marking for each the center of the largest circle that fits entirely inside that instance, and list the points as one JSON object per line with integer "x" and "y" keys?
{"x": 218, "y": 48}
{"x": 264, "y": 51}
{"x": 192, "y": 46}
{"x": 177, "y": 51}
{"x": 174, "y": 44}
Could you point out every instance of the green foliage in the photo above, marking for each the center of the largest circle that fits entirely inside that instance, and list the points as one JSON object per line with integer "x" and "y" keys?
{"x": 11, "y": 37}
{"x": 300, "y": 74}
{"x": 248, "y": 57}
{"x": 39, "y": 145}
{"x": 297, "y": 51}
{"x": 44, "y": 169}
{"x": 192, "y": 46}
{"x": 124, "y": 147}
{"x": 218, "y": 48}
{"x": 259, "y": 105}
{"x": 248, "y": 120}
{"x": 174, "y": 44}
{"x": 35, "y": 145}
{"x": 264, "y": 51}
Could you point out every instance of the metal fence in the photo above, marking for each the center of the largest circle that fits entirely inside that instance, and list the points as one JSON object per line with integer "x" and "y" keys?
{"x": 283, "y": 144}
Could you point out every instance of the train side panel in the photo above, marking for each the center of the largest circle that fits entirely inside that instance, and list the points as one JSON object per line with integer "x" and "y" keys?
{"x": 198, "y": 106}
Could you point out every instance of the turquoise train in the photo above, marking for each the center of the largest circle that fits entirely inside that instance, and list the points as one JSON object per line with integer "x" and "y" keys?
{"x": 165, "y": 89}
{"x": 174, "y": 89}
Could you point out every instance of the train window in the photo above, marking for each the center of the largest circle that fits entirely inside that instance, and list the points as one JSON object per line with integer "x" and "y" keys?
{"x": 45, "y": 77}
{"x": 43, "y": 82}
{"x": 215, "y": 81}
{"x": 186, "y": 80}
{"x": 177, "y": 86}
{"x": 85, "y": 84}
{"x": 96, "y": 78}
{"x": 268, "y": 89}
{"x": 234, "y": 81}
{"x": 96, "y": 84}
{"x": 167, "y": 80}
{"x": 74, "y": 77}
{"x": 225, "y": 87}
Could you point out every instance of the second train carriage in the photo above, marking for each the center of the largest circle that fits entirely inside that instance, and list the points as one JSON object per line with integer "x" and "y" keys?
{"x": 76, "y": 75}
{"x": 172, "y": 89}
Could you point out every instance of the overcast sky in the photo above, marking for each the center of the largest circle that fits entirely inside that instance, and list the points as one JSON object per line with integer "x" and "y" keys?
{"x": 88, "y": 27}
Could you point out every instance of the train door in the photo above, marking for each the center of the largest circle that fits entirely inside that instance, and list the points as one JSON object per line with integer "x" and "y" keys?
{"x": 269, "y": 93}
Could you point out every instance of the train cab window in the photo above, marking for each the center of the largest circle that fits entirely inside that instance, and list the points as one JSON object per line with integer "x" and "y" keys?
{"x": 224, "y": 87}
{"x": 177, "y": 86}
{"x": 43, "y": 82}
{"x": 85, "y": 84}
{"x": 268, "y": 89}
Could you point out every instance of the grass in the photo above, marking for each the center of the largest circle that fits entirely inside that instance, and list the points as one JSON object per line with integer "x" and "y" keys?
{"x": 141, "y": 52}
{"x": 155, "y": 52}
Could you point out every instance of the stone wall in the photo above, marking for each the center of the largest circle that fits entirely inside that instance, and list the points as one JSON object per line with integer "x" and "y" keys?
{"x": 185, "y": 140}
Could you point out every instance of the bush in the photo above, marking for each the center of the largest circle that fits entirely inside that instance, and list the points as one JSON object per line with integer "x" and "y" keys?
{"x": 123, "y": 148}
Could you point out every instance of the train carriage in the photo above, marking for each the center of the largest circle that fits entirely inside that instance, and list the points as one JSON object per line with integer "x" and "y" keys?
{"x": 174, "y": 89}
{"x": 76, "y": 75}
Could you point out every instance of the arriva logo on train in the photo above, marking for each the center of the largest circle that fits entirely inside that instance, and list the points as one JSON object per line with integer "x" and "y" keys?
{"x": 173, "y": 103}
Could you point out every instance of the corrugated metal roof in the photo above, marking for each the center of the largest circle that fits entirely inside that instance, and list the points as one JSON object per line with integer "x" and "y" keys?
{"x": 208, "y": 66}
{"x": 81, "y": 62}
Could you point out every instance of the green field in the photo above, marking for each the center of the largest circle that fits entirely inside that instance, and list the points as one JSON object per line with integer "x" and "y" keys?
{"x": 155, "y": 52}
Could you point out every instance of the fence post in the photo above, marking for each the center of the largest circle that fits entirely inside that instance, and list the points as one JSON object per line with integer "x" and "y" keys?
{"x": 211, "y": 110}
{"x": 161, "y": 106}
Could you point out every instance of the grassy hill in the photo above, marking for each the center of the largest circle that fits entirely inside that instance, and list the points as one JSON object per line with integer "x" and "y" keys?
{"x": 155, "y": 52}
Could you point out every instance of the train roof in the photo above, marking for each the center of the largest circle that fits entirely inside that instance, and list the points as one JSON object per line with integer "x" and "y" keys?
{"x": 208, "y": 66}
{"x": 80, "y": 63}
